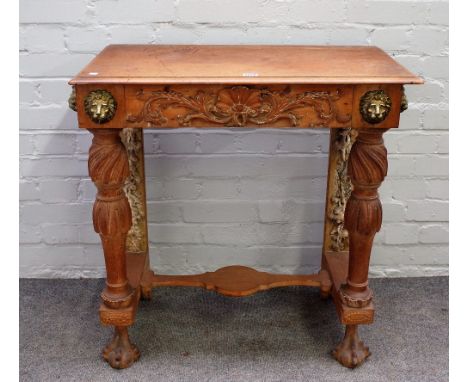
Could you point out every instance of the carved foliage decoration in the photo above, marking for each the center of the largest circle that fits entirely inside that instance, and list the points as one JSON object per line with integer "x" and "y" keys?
{"x": 108, "y": 168}
{"x": 134, "y": 189}
{"x": 342, "y": 187}
{"x": 367, "y": 169}
{"x": 238, "y": 106}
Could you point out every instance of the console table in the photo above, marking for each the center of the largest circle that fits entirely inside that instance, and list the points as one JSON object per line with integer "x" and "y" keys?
{"x": 357, "y": 92}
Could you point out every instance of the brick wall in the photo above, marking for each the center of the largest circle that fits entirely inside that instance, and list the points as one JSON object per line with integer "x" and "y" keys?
{"x": 220, "y": 197}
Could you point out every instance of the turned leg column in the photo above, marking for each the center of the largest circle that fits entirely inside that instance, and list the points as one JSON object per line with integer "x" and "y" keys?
{"x": 112, "y": 218}
{"x": 367, "y": 168}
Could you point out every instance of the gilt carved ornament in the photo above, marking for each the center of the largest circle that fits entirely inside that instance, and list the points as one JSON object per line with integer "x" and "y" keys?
{"x": 375, "y": 106}
{"x": 134, "y": 189}
{"x": 100, "y": 106}
{"x": 342, "y": 188}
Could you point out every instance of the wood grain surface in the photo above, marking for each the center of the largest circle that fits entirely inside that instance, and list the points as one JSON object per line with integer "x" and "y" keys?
{"x": 241, "y": 64}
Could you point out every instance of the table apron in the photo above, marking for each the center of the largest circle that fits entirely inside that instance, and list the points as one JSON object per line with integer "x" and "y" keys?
{"x": 239, "y": 106}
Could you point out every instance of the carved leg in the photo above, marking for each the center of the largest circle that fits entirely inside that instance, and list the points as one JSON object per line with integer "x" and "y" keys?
{"x": 351, "y": 352}
{"x": 112, "y": 218}
{"x": 367, "y": 169}
{"x": 120, "y": 352}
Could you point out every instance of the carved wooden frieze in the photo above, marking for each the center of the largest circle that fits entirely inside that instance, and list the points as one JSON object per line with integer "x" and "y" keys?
{"x": 240, "y": 106}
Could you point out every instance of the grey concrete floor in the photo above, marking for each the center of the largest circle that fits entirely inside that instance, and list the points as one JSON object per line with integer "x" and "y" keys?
{"x": 188, "y": 334}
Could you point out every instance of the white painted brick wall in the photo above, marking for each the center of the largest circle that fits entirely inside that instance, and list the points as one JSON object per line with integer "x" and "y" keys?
{"x": 220, "y": 197}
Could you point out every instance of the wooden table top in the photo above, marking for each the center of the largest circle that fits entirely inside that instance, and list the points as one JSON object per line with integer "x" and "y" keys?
{"x": 243, "y": 64}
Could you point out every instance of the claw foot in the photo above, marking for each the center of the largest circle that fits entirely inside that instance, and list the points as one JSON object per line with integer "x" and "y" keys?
{"x": 120, "y": 353}
{"x": 351, "y": 352}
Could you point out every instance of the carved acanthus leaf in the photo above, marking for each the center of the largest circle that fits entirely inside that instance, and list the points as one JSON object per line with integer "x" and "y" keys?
{"x": 108, "y": 168}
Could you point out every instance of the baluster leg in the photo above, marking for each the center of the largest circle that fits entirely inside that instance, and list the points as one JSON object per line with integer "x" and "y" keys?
{"x": 367, "y": 168}
{"x": 112, "y": 218}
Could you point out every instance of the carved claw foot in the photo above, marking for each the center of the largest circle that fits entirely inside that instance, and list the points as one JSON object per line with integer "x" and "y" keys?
{"x": 120, "y": 353}
{"x": 351, "y": 352}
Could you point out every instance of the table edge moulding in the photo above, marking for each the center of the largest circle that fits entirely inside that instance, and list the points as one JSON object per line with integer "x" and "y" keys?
{"x": 355, "y": 91}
